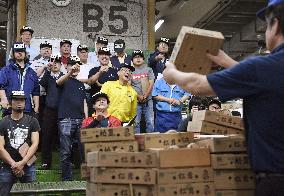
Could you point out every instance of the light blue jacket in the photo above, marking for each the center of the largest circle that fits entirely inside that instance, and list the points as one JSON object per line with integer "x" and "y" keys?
{"x": 161, "y": 87}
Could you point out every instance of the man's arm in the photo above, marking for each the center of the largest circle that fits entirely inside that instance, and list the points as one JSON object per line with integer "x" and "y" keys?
{"x": 194, "y": 83}
{"x": 18, "y": 166}
{"x": 36, "y": 104}
{"x": 63, "y": 79}
{"x": 3, "y": 98}
{"x": 150, "y": 88}
{"x": 222, "y": 59}
{"x": 4, "y": 155}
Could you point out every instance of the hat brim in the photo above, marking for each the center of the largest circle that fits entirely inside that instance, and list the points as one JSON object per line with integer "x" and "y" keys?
{"x": 103, "y": 52}
{"x": 18, "y": 97}
{"x": 119, "y": 50}
{"x": 96, "y": 96}
{"x": 129, "y": 67}
{"x": 261, "y": 13}
{"x": 30, "y": 30}
{"x": 19, "y": 50}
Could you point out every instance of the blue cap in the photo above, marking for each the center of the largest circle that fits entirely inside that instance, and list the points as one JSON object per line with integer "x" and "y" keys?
{"x": 19, "y": 46}
{"x": 261, "y": 13}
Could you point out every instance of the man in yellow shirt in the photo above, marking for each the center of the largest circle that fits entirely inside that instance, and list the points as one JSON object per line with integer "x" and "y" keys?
{"x": 123, "y": 98}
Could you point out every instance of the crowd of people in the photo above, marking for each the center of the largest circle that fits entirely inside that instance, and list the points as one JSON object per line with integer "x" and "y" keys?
{"x": 53, "y": 96}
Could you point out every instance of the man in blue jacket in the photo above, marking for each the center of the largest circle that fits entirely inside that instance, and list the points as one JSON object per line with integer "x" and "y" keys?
{"x": 18, "y": 76}
{"x": 158, "y": 59}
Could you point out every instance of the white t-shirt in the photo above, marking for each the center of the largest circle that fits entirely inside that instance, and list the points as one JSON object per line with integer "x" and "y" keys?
{"x": 84, "y": 73}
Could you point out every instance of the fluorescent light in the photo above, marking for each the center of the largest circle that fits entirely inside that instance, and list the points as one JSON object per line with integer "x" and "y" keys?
{"x": 159, "y": 23}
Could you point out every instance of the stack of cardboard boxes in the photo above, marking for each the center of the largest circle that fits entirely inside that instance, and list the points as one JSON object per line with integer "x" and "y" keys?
{"x": 229, "y": 160}
{"x": 106, "y": 140}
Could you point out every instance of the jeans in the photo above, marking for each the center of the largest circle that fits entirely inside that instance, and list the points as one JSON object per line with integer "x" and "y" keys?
{"x": 69, "y": 143}
{"x": 165, "y": 121}
{"x": 7, "y": 178}
{"x": 146, "y": 109}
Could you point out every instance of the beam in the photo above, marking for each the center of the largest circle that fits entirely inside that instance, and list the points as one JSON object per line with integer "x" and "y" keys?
{"x": 151, "y": 23}
{"x": 21, "y": 15}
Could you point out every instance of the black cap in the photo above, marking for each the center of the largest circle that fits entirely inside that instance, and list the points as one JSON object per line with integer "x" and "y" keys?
{"x": 45, "y": 44}
{"x": 82, "y": 47}
{"x": 127, "y": 66}
{"x": 55, "y": 58}
{"x": 104, "y": 50}
{"x": 18, "y": 47}
{"x": 215, "y": 101}
{"x": 164, "y": 40}
{"x": 26, "y": 28}
{"x": 102, "y": 40}
{"x": 73, "y": 60}
{"x": 137, "y": 52}
{"x": 65, "y": 41}
{"x": 18, "y": 95}
{"x": 119, "y": 45}
{"x": 98, "y": 95}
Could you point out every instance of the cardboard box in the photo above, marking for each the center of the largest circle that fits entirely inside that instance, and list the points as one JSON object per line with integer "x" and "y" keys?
{"x": 225, "y": 144}
{"x": 218, "y": 118}
{"x": 183, "y": 157}
{"x": 123, "y": 176}
{"x": 192, "y": 189}
{"x": 122, "y": 159}
{"x": 185, "y": 175}
{"x": 230, "y": 161}
{"x": 165, "y": 140}
{"x": 121, "y": 190}
{"x": 107, "y": 134}
{"x": 125, "y": 146}
{"x": 211, "y": 128}
{"x": 140, "y": 138}
{"x": 85, "y": 171}
{"x": 192, "y": 44}
{"x": 234, "y": 179}
{"x": 234, "y": 192}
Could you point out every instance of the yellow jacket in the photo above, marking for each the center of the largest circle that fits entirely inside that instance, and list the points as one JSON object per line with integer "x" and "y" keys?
{"x": 123, "y": 100}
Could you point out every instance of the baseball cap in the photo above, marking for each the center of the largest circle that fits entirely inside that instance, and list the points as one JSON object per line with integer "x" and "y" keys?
{"x": 165, "y": 40}
{"x": 26, "y": 28}
{"x": 119, "y": 45}
{"x": 102, "y": 40}
{"x": 73, "y": 60}
{"x": 261, "y": 13}
{"x": 55, "y": 58}
{"x": 137, "y": 52}
{"x": 45, "y": 44}
{"x": 65, "y": 41}
{"x": 98, "y": 95}
{"x": 82, "y": 47}
{"x": 104, "y": 50}
{"x": 18, "y": 95}
{"x": 19, "y": 47}
{"x": 127, "y": 66}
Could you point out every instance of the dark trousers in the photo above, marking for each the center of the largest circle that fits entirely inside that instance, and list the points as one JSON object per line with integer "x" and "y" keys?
{"x": 49, "y": 134}
{"x": 270, "y": 186}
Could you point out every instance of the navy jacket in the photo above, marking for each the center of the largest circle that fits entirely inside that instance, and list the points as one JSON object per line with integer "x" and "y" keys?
{"x": 157, "y": 66}
{"x": 115, "y": 62}
{"x": 11, "y": 80}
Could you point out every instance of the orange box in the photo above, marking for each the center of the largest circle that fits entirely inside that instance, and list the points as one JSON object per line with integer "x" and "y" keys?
{"x": 218, "y": 118}
{"x": 192, "y": 189}
{"x": 126, "y": 146}
{"x": 107, "y": 134}
{"x": 122, "y": 176}
{"x": 211, "y": 128}
{"x": 192, "y": 44}
{"x": 183, "y": 157}
{"x": 165, "y": 140}
{"x": 230, "y": 161}
{"x": 234, "y": 179}
{"x": 122, "y": 159}
{"x": 121, "y": 190}
{"x": 185, "y": 175}
{"x": 234, "y": 192}
{"x": 225, "y": 144}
